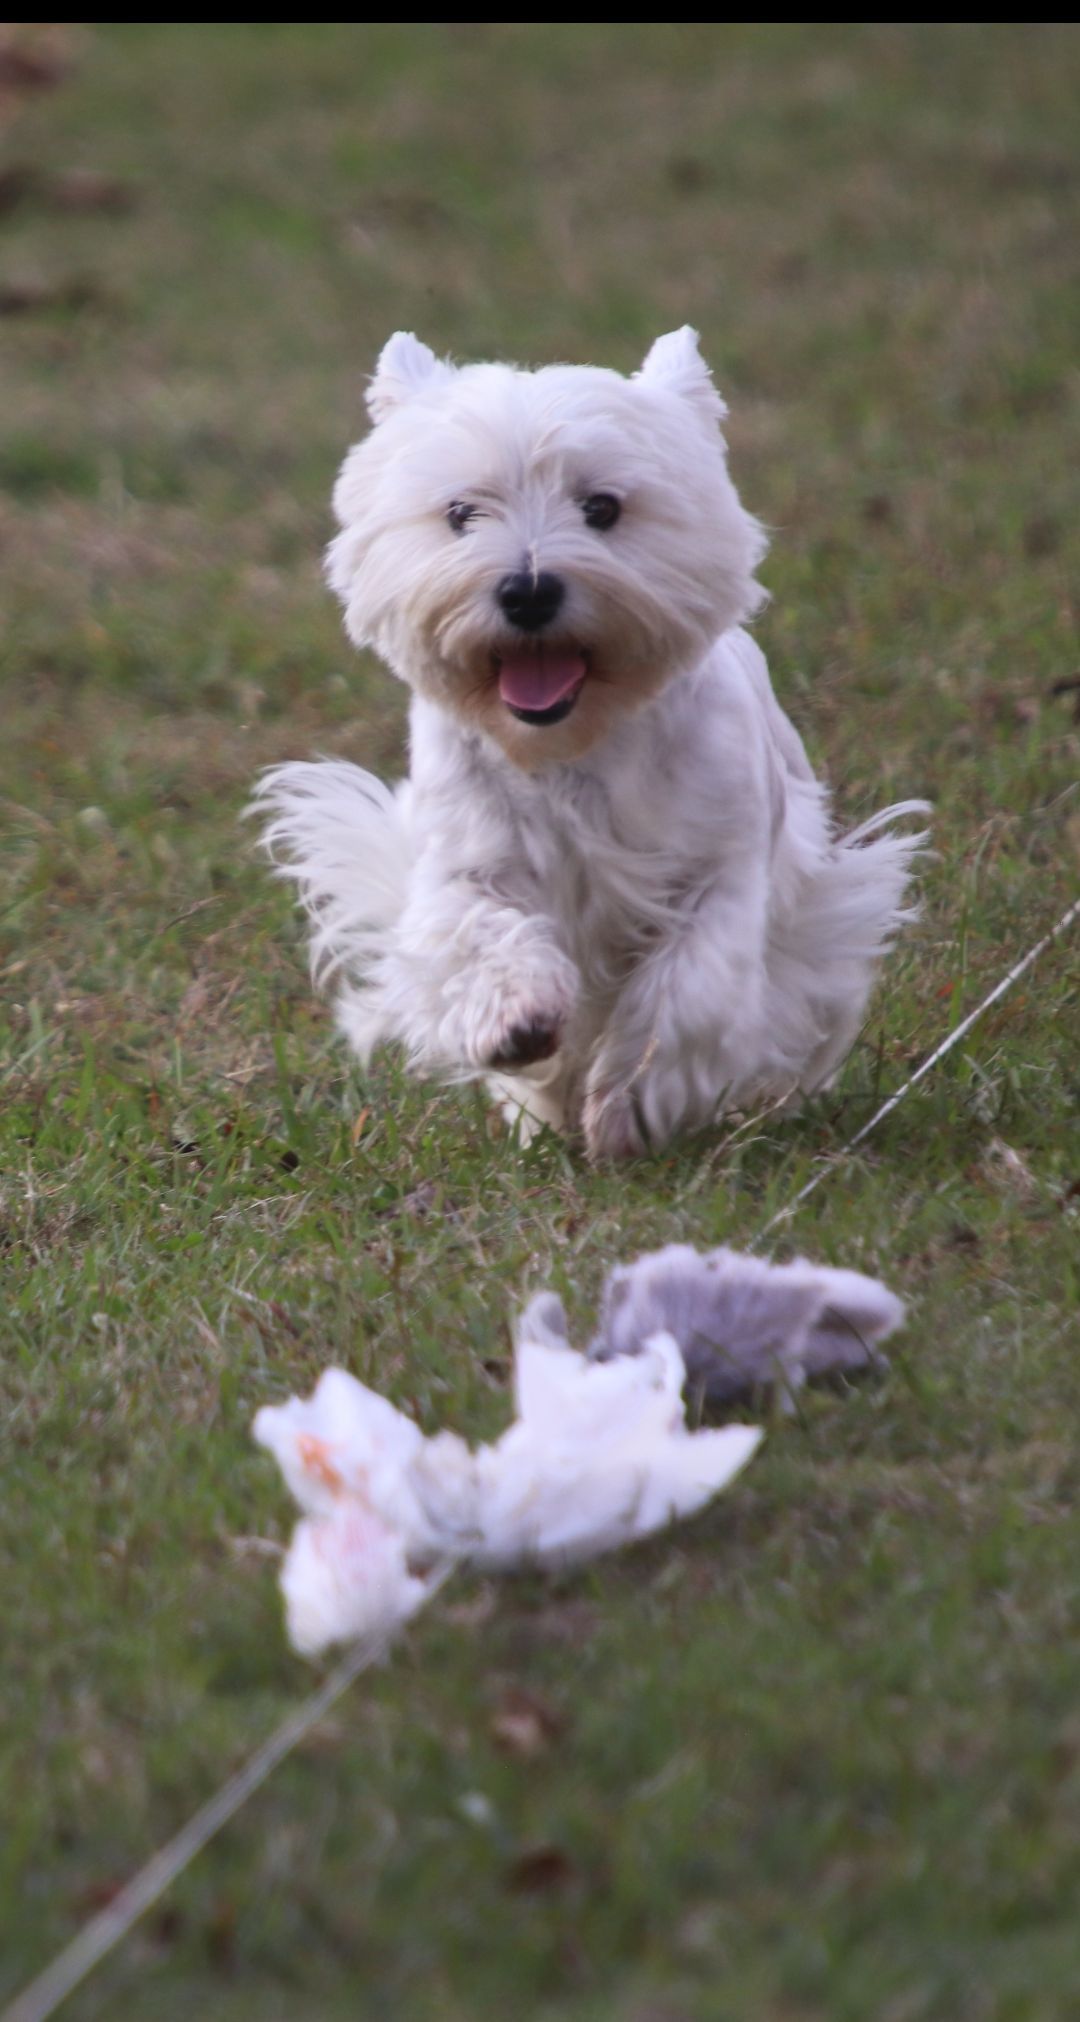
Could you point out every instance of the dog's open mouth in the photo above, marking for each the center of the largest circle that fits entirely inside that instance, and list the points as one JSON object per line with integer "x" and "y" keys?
{"x": 540, "y": 684}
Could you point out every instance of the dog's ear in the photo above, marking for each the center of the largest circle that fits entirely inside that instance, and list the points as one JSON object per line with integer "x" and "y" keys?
{"x": 676, "y": 362}
{"x": 406, "y": 367}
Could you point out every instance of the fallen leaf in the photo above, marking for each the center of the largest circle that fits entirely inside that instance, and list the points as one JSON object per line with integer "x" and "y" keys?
{"x": 962, "y": 1236}
{"x": 34, "y": 298}
{"x": 1069, "y": 686}
{"x": 31, "y": 63}
{"x": 326, "y": 1737}
{"x": 1001, "y": 1162}
{"x": 16, "y": 184}
{"x": 572, "y": 1621}
{"x": 168, "y": 1924}
{"x": 78, "y": 189}
{"x": 474, "y": 1613}
{"x": 358, "y": 1126}
{"x": 221, "y": 1934}
{"x": 97, "y": 1895}
{"x": 1042, "y": 536}
{"x": 539, "y": 1869}
{"x": 525, "y": 1725}
{"x": 686, "y": 172}
{"x": 84, "y": 189}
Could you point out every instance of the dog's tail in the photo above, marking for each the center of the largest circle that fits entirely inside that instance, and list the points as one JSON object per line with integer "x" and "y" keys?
{"x": 864, "y": 889}
{"x": 825, "y": 954}
{"x": 345, "y": 841}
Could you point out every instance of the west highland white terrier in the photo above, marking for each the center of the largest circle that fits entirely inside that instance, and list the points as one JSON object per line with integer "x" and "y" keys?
{"x": 610, "y": 884}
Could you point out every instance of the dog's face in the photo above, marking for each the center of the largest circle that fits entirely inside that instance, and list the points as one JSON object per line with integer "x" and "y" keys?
{"x": 540, "y": 552}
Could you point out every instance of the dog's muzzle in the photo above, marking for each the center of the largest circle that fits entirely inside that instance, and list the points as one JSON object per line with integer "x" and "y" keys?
{"x": 538, "y": 682}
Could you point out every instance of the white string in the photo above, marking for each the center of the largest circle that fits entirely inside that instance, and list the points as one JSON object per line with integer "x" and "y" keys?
{"x": 43, "y": 1996}
{"x": 90, "y": 1945}
{"x": 1019, "y": 969}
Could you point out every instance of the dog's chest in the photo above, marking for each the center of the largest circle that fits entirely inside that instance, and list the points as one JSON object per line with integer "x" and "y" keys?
{"x": 602, "y": 860}
{"x": 612, "y": 849}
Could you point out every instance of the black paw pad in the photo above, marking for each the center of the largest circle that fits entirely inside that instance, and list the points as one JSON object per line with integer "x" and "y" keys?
{"x": 532, "y": 1040}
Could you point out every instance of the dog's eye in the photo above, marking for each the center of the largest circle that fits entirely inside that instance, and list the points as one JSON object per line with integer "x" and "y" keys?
{"x": 459, "y": 514}
{"x": 601, "y": 510}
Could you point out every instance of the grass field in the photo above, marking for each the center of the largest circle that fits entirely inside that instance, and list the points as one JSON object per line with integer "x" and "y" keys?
{"x": 816, "y": 1757}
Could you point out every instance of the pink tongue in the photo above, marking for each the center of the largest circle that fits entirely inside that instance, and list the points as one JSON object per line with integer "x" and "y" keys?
{"x": 539, "y": 680}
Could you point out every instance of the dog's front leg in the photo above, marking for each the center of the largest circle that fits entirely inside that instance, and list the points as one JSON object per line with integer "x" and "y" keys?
{"x": 482, "y": 983}
{"x": 686, "y": 1028}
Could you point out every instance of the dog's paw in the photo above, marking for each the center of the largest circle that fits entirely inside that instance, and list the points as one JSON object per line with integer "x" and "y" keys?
{"x": 614, "y": 1126}
{"x": 522, "y": 1045}
{"x": 525, "y": 1024}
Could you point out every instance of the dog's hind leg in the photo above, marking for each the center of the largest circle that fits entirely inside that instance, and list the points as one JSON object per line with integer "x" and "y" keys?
{"x": 686, "y": 1031}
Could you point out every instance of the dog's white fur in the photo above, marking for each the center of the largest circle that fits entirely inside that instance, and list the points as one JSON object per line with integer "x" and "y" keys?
{"x": 651, "y": 889}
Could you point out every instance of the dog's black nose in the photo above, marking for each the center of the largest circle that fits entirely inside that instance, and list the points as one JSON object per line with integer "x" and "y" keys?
{"x": 530, "y": 602}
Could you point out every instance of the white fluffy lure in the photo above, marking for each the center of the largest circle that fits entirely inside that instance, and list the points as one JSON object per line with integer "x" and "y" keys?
{"x": 597, "y": 1455}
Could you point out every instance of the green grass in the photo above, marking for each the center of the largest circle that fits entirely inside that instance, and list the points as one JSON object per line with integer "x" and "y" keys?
{"x": 816, "y": 1757}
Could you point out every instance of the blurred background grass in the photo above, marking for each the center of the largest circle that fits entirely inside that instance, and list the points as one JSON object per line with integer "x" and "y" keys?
{"x": 816, "y": 1757}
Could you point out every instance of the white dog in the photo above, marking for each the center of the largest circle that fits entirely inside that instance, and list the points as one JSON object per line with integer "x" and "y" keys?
{"x": 610, "y": 883}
